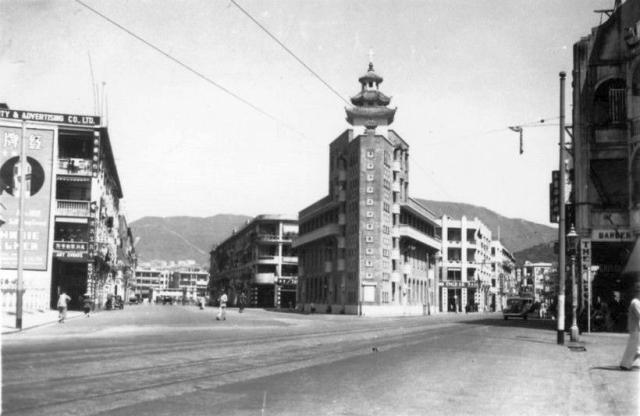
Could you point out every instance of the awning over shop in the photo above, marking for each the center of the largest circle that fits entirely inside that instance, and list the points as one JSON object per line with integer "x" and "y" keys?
{"x": 633, "y": 264}
{"x": 73, "y": 178}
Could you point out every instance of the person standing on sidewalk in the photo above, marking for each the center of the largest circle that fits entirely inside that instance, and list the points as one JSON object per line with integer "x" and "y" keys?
{"x": 222, "y": 313}
{"x": 63, "y": 300}
{"x": 87, "y": 303}
{"x": 242, "y": 301}
{"x": 632, "y": 352}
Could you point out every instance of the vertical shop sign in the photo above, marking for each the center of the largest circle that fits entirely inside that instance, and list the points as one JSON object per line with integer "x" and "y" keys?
{"x": 39, "y": 144}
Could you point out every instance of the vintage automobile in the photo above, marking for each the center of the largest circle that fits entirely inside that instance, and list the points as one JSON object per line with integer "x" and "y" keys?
{"x": 519, "y": 307}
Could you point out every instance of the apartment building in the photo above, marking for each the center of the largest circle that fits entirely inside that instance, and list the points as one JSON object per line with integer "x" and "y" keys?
{"x": 538, "y": 280}
{"x": 468, "y": 282}
{"x": 75, "y": 234}
{"x": 260, "y": 261}
{"x": 149, "y": 281}
{"x": 503, "y": 282}
{"x": 606, "y": 152}
{"x": 367, "y": 247}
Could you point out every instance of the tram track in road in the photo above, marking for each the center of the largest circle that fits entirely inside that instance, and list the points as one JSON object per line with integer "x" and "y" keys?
{"x": 152, "y": 382}
{"x": 106, "y": 352}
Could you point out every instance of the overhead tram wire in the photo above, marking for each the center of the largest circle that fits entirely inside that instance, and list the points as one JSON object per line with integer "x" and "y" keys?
{"x": 314, "y": 73}
{"x": 190, "y": 69}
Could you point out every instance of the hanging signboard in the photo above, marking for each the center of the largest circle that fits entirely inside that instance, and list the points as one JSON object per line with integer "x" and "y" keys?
{"x": 612, "y": 235}
{"x": 37, "y": 205}
{"x": 585, "y": 254}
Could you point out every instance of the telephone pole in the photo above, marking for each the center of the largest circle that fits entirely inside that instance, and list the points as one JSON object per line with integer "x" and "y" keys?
{"x": 561, "y": 225}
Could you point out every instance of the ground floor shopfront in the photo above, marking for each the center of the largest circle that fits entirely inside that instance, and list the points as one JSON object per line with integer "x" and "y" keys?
{"x": 463, "y": 296}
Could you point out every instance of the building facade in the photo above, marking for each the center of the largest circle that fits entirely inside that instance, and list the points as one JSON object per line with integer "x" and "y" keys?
{"x": 181, "y": 281}
{"x": 606, "y": 153}
{"x": 468, "y": 282}
{"x": 538, "y": 281}
{"x": 258, "y": 260}
{"x": 503, "y": 266}
{"x": 367, "y": 247}
{"x": 77, "y": 238}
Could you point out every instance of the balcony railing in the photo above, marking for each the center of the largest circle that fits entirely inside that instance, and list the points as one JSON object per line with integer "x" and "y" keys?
{"x": 72, "y": 208}
{"x": 74, "y": 166}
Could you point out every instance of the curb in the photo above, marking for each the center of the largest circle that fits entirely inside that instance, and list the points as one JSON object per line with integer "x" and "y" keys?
{"x": 9, "y": 331}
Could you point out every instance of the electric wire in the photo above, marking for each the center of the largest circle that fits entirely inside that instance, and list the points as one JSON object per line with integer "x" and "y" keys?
{"x": 314, "y": 73}
{"x": 189, "y": 68}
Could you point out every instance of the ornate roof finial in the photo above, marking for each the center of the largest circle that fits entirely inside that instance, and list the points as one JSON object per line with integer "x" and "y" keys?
{"x": 371, "y": 59}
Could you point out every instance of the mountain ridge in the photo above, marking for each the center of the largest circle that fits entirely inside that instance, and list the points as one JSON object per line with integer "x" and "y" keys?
{"x": 184, "y": 237}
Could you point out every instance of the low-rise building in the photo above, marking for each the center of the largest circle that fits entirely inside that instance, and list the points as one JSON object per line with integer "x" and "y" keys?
{"x": 503, "y": 268}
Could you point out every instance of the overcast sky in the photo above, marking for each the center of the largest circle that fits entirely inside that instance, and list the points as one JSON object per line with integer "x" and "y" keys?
{"x": 460, "y": 72}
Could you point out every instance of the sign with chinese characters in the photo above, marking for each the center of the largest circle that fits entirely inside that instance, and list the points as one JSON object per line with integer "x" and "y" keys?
{"x": 37, "y": 187}
{"x": 40, "y": 117}
{"x": 612, "y": 235}
{"x": 585, "y": 254}
{"x": 454, "y": 283}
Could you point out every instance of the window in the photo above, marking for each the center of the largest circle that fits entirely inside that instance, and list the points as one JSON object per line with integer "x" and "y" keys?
{"x": 386, "y": 207}
{"x": 369, "y": 165}
{"x": 385, "y": 252}
{"x": 368, "y": 250}
{"x": 370, "y": 177}
{"x": 369, "y": 214}
{"x": 369, "y": 189}
{"x": 369, "y": 226}
{"x": 368, "y": 238}
{"x": 368, "y": 263}
{"x": 369, "y": 201}
{"x": 370, "y": 153}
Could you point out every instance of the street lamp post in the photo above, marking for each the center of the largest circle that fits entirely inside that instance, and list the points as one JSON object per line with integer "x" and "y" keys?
{"x": 572, "y": 239}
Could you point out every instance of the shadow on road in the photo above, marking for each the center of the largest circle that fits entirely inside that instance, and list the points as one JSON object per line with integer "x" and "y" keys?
{"x": 615, "y": 368}
{"x": 546, "y": 324}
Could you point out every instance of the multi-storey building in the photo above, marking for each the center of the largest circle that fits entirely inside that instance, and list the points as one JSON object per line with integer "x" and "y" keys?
{"x": 258, "y": 260}
{"x": 150, "y": 280}
{"x": 76, "y": 238}
{"x": 193, "y": 281}
{"x": 537, "y": 280}
{"x": 367, "y": 247}
{"x": 186, "y": 282}
{"x": 467, "y": 282}
{"x": 503, "y": 281}
{"x": 606, "y": 150}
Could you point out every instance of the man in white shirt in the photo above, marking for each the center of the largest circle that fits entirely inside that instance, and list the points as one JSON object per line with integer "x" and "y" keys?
{"x": 222, "y": 313}
{"x": 632, "y": 352}
{"x": 63, "y": 300}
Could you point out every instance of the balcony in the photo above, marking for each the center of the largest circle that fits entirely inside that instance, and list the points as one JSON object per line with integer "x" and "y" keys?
{"x": 269, "y": 238}
{"x": 395, "y": 232}
{"x": 395, "y": 277}
{"x": 342, "y": 175}
{"x": 340, "y": 265}
{"x": 395, "y": 187}
{"x": 395, "y": 165}
{"x": 342, "y": 219}
{"x": 74, "y": 166}
{"x": 407, "y": 268}
{"x": 395, "y": 208}
{"x": 342, "y": 196}
{"x": 289, "y": 259}
{"x": 328, "y": 266}
{"x": 395, "y": 254}
{"x": 70, "y": 208}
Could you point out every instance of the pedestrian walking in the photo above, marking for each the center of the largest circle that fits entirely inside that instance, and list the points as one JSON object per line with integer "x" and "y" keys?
{"x": 632, "y": 352}
{"x": 63, "y": 300}
{"x": 87, "y": 304}
{"x": 242, "y": 301}
{"x": 222, "y": 312}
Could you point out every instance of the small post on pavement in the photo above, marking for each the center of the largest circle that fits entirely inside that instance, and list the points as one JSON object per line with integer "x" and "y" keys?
{"x": 561, "y": 223}
{"x": 23, "y": 180}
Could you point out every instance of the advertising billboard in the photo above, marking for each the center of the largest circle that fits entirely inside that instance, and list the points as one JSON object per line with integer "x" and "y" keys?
{"x": 39, "y": 144}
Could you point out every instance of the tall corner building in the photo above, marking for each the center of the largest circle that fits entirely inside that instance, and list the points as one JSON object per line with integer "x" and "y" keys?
{"x": 367, "y": 248}
{"x": 606, "y": 155}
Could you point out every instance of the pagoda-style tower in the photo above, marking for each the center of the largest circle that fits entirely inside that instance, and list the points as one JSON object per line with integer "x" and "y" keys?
{"x": 370, "y": 105}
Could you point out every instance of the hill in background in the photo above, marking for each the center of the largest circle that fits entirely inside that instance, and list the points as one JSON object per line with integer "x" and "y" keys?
{"x": 541, "y": 253}
{"x": 192, "y": 238}
{"x": 182, "y": 238}
{"x": 516, "y": 234}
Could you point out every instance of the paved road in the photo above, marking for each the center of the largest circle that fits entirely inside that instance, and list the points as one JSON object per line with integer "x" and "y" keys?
{"x": 167, "y": 360}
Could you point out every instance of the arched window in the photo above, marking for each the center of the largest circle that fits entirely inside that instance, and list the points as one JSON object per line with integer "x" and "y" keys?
{"x": 609, "y": 103}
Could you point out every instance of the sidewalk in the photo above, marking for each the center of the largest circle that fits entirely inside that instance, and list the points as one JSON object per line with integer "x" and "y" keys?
{"x": 32, "y": 319}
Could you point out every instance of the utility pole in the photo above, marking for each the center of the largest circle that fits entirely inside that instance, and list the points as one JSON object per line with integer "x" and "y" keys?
{"x": 23, "y": 185}
{"x": 561, "y": 225}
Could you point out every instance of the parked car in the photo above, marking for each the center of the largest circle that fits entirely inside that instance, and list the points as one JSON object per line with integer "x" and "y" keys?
{"x": 520, "y": 307}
